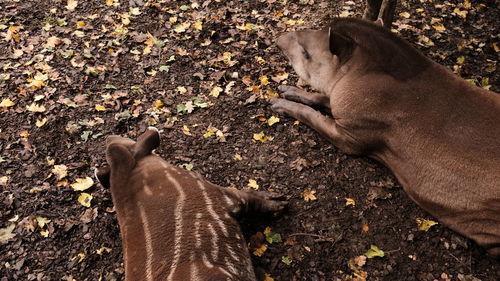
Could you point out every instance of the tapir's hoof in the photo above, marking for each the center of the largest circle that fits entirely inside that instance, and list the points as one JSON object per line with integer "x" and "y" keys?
{"x": 279, "y": 105}
{"x": 269, "y": 202}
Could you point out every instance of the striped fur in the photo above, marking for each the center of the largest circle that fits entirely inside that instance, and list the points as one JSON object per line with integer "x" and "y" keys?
{"x": 174, "y": 224}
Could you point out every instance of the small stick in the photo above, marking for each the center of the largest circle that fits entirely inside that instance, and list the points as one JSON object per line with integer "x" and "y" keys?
{"x": 321, "y": 238}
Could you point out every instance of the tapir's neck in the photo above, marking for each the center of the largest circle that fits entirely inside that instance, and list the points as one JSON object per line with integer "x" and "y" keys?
{"x": 164, "y": 238}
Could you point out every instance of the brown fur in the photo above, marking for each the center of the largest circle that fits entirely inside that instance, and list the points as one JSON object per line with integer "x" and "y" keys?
{"x": 174, "y": 224}
{"x": 439, "y": 134}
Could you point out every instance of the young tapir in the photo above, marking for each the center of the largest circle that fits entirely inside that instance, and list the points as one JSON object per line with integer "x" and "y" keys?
{"x": 439, "y": 134}
{"x": 174, "y": 224}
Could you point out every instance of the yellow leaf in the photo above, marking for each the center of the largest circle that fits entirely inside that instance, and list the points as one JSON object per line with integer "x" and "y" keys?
{"x": 260, "y": 60}
{"x": 181, "y": 89}
{"x": 42, "y": 222}
{"x": 439, "y": 27}
{"x": 405, "y": 15}
{"x": 496, "y": 47}
{"x": 109, "y": 2}
{"x": 7, "y": 103}
{"x": 460, "y": 13}
{"x": 82, "y": 184}
{"x": 350, "y": 202}
{"x": 6, "y": 233}
{"x": 41, "y": 122}
{"x": 198, "y": 25}
{"x": 158, "y": 103}
{"x": 238, "y": 157}
{"x": 147, "y": 50}
{"x": 267, "y": 277}
{"x": 253, "y": 184}
{"x": 102, "y": 249}
{"x": 260, "y": 251}
{"x": 35, "y": 108}
{"x": 272, "y": 120}
{"x": 85, "y": 199}
{"x": 99, "y": 107}
{"x": 181, "y": 27}
{"x": 61, "y": 171}
{"x": 308, "y": 195}
{"x": 37, "y": 81}
{"x": 460, "y": 60}
{"x": 262, "y": 137}
{"x": 216, "y": 91}
{"x": 45, "y": 233}
{"x": 80, "y": 24}
{"x": 424, "y": 224}
{"x": 14, "y": 219}
{"x": 467, "y": 4}
{"x": 365, "y": 227}
{"x": 264, "y": 80}
{"x": 71, "y": 5}
{"x": 80, "y": 257}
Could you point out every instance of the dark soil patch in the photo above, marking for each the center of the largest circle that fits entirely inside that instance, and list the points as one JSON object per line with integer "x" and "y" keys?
{"x": 320, "y": 237}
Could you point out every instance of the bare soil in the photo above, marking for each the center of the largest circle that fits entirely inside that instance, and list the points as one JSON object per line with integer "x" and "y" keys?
{"x": 321, "y": 237}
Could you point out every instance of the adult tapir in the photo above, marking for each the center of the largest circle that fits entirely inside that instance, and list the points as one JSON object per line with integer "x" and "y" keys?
{"x": 439, "y": 134}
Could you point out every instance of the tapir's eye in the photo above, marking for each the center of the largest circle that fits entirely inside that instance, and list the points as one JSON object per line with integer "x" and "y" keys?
{"x": 306, "y": 54}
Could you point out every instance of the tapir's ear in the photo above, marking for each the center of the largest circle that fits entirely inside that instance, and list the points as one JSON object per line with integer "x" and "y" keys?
{"x": 341, "y": 45}
{"x": 102, "y": 174}
{"x": 146, "y": 142}
{"x": 120, "y": 160}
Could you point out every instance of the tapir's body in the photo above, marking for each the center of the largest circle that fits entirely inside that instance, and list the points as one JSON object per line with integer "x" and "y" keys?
{"x": 174, "y": 224}
{"x": 439, "y": 134}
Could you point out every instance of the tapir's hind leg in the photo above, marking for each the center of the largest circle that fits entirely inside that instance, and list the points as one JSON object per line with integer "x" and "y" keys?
{"x": 298, "y": 95}
{"x": 322, "y": 124}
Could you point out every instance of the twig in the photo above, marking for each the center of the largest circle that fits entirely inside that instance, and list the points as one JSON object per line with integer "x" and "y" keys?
{"x": 320, "y": 238}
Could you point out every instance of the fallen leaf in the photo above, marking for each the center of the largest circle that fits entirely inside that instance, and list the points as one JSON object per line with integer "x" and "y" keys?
{"x": 267, "y": 277}
{"x": 260, "y": 251}
{"x": 61, "y": 171}
{"x": 7, "y": 103}
{"x": 350, "y": 202}
{"x": 82, "y": 184}
{"x": 308, "y": 194}
{"x": 216, "y": 91}
{"x": 35, "y": 108}
{"x": 102, "y": 249}
{"x": 198, "y": 25}
{"x": 99, "y": 107}
{"x": 272, "y": 237}
{"x": 253, "y": 184}
{"x": 6, "y": 233}
{"x": 71, "y": 5}
{"x": 41, "y": 122}
{"x": 42, "y": 222}
{"x": 85, "y": 199}
{"x": 425, "y": 225}
{"x": 373, "y": 252}
{"x": 286, "y": 260}
{"x": 52, "y": 42}
{"x": 439, "y": 27}
{"x": 272, "y": 120}
{"x": 262, "y": 137}
{"x": 4, "y": 180}
{"x": 405, "y": 15}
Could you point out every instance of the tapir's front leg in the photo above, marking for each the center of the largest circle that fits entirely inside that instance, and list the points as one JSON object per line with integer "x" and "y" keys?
{"x": 249, "y": 202}
{"x": 323, "y": 124}
{"x": 298, "y": 95}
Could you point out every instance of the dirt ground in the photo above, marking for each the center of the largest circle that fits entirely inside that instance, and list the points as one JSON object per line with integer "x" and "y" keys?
{"x": 202, "y": 72}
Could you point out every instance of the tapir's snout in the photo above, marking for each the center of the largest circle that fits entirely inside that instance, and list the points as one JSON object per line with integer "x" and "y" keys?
{"x": 285, "y": 41}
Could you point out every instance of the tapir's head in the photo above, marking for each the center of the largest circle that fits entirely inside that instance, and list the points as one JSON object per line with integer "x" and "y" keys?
{"x": 318, "y": 55}
{"x": 122, "y": 153}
